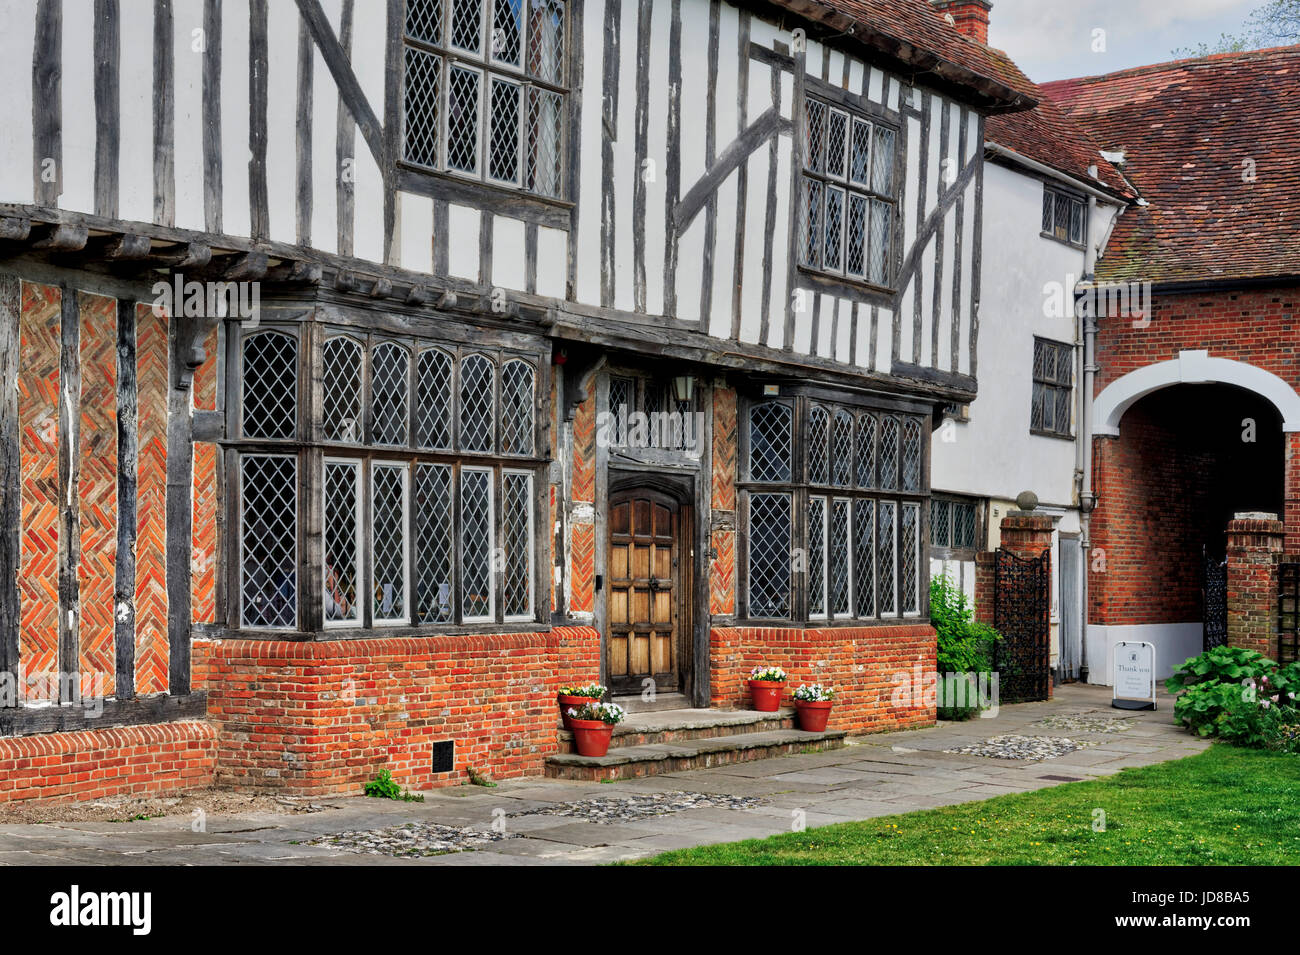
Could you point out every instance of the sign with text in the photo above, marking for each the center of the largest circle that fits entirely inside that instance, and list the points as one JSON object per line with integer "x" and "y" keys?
{"x": 1134, "y": 676}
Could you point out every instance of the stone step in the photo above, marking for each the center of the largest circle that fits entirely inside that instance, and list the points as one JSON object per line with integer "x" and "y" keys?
{"x": 662, "y": 701}
{"x": 629, "y": 762}
{"x": 677, "y": 726}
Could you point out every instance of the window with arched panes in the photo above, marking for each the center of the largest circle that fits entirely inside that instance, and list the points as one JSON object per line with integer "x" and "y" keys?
{"x": 424, "y": 466}
{"x": 832, "y": 517}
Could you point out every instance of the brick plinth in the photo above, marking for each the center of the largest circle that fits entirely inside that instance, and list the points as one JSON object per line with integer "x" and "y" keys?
{"x": 96, "y": 764}
{"x": 866, "y": 665}
{"x": 325, "y": 717}
{"x": 1253, "y": 549}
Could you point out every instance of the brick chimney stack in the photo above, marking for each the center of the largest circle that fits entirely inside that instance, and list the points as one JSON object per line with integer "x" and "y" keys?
{"x": 971, "y": 17}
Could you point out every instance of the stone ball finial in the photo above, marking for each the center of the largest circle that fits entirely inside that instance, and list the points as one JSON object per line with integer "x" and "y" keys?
{"x": 1026, "y": 500}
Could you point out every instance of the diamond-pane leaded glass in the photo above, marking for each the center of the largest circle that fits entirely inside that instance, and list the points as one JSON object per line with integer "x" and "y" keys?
{"x": 860, "y": 153}
{"x": 341, "y": 414}
{"x": 421, "y": 106}
{"x": 433, "y": 399}
{"x": 839, "y": 563}
{"x": 622, "y": 396}
{"x": 815, "y": 129}
{"x": 769, "y": 442}
{"x": 816, "y": 556}
{"x": 882, "y": 165}
{"x": 476, "y": 543}
{"x": 507, "y": 31}
{"x": 866, "y": 450}
{"x": 517, "y": 408}
{"x": 476, "y": 386}
{"x": 433, "y": 543}
{"x": 546, "y": 40}
{"x": 268, "y": 537}
{"x": 908, "y": 531}
{"x": 463, "y": 96}
{"x": 424, "y": 20}
{"x": 389, "y": 370}
{"x": 911, "y": 454}
{"x": 467, "y": 24}
{"x": 963, "y": 525}
{"x": 769, "y": 555}
{"x": 940, "y": 526}
{"x": 516, "y": 506}
{"x": 503, "y": 136}
{"x": 833, "y": 247}
{"x": 270, "y": 385}
{"x": 819, "y": 440}
{"x": 388, "y": 540}
{"x": 837, "y": 137}
{"x": 542, "y": 138}
{"x": 842, "y": 449}
{"x": 342, "y": 542}
{"x": 880, "y": 242}
{"x": 810, "y": 224}
{"x": 889, "y": 453}
{"x": 864, "y": 556}
{"x": 886, "y": 558}
{"x": 855, "y": 251}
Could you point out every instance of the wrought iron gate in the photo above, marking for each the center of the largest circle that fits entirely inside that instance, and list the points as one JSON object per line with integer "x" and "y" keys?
{"x": 1288, "y": 613}
{"x": 1021, "y": 595}
{"x": 1215, "y": 599}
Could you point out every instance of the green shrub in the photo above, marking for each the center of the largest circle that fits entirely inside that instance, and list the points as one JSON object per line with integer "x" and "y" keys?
{"x": 965, "y": 645}
{"x": 1239, "y": 696}
{"x": 384, "y": 786}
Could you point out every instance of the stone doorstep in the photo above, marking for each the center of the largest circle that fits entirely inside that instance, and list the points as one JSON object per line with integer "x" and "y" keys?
{"x": 683, "y": 725}
{"x": 629, "y": 762}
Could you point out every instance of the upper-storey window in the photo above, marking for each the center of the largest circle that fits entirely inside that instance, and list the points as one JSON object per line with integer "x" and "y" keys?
{"x": 484, "y": 90}
{"x": 1064, "y": 217}
{"x": 848, "y": 194}
{"x": 1053, "y": 383}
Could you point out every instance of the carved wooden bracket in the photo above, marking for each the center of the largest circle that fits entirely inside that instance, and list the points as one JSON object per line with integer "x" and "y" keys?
{"x": 189, "y": 350}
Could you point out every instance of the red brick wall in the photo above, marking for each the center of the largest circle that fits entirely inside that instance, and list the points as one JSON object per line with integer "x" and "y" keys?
{"x": 94, "y": 764}
{"x": 862, "y": 663}
{"x": 326, "y": 717}
{"x": 1253, "y": 549}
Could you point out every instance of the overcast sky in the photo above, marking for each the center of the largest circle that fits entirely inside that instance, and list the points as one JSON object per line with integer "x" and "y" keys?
{"x": 1053, "y": 39}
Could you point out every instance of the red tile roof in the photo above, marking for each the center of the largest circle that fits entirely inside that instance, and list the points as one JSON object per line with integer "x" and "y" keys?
{"x": 914, "y": 33}
{"x": 1191, "y": 132}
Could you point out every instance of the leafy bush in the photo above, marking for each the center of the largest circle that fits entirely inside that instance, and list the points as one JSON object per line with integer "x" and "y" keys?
{"x": 965, "y": 645}
{"x": 1239, "y": 696}
{"x": 384, "y": 786}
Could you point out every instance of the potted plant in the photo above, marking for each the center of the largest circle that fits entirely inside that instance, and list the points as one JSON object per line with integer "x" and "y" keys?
{"x": 593, "y": 725}
{"x": 813, "y": 701}
{"x": 578, "y": 695}
{"x": 765, "y": 686}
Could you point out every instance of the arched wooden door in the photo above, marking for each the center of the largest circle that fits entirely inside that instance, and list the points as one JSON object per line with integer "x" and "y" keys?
{"x": 649, "y": 591}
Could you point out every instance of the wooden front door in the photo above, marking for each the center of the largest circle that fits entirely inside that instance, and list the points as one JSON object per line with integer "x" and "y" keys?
{"x": 649, "y": 601}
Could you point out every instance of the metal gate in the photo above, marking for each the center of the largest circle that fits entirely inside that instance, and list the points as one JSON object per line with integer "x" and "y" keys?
{"x": 1021, "y": 595}
{"x": 1215, "y": 600}
{"x": 1288, "y": 613}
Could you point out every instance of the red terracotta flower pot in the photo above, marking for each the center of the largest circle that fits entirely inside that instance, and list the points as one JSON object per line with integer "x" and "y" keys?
{"x": 576, "y": 702}
{"x": 591, "y": 737}
{"x": 766, "y": 694}
{"x": 813, "y": 714}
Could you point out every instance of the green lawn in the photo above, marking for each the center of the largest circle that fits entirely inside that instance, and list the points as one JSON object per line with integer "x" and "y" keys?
{"x": 1225, "y": 806}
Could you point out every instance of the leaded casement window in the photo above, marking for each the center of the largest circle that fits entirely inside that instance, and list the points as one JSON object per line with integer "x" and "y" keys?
{"x": 421, "y": 464}
{"x": 848, "y": 194}
{"x": 1049, "y": 411}
{"x": 833, "y": 511}
{"x": 1065, "y": 217}
{"x": 645, "y": 413}
{"x": 954, "y": 528}
{"x": 484, "y": 90}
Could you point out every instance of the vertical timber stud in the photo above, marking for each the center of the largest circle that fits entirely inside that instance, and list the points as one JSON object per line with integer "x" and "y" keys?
{"x": 164, "y": 115}
{"x": 673, "y": 173}
{"x": 107, "y": 109}
{"x": 10, "y": 487}
{"x": 69, "y": 482}
{"x": 47, "y": 104}
{"x": 258, "y": 63}
{"x": 128, "y": 445}
{"x": 211, "y": 116}
{"x": 185, "y": 343}
{"x": 345, "y": 148}
{"x": 799, "y": 112}
{"x": 609, "y": 133}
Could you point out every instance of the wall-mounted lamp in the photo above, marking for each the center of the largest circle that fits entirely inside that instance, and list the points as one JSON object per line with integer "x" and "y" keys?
{"x": 684, "y": 388}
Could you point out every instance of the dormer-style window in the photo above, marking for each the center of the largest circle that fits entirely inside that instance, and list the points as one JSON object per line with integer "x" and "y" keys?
{"x": 848, "y": 194}
{"x": 484, "y": 90}
{"x": 1064, "y": 217}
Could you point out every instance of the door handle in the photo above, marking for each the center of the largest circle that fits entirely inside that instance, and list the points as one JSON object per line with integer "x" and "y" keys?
{"x": 654, "y": 585}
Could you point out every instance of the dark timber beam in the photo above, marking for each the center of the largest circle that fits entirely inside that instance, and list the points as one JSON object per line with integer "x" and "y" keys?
{"x": 10, "y": 487}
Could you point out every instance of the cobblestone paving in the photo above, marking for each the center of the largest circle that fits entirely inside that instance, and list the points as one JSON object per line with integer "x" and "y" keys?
{"x": 1014, "y": 746}
{"x": 612, "y": 809}
{"x": 539, "y": 821}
